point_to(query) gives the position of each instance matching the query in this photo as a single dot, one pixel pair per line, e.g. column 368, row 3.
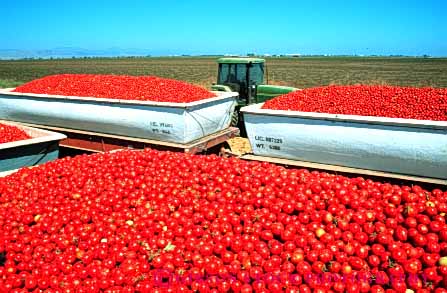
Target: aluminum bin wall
column 43, row 146
column 173, row 122
column 403, row 146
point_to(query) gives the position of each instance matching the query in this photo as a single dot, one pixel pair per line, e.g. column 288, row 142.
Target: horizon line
column 295, row 56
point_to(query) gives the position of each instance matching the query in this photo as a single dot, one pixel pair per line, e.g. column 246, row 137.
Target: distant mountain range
column 69, row 52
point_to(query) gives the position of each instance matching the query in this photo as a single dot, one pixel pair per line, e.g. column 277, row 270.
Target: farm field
column 300, row 72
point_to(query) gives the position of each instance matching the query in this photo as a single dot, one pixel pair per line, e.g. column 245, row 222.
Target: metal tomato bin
column 402, row 146
column 43, row 146
column 162, row 121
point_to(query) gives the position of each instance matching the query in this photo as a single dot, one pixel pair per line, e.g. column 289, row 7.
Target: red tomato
column 367, row 100
column 9, row 133
column 148, row 221
column 125, row 87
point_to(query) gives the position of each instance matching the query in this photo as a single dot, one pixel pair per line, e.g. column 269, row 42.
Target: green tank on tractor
column 246, row 76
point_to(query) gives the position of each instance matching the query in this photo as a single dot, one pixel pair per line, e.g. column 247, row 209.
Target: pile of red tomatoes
column 150, row 221
column 366, row 100
column 123, row 87
column 9, row 133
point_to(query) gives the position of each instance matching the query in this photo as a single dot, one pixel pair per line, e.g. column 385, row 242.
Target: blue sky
column 381, row 27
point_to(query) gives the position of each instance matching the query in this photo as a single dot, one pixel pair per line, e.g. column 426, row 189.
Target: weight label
column 268, row 142
column 161, row 127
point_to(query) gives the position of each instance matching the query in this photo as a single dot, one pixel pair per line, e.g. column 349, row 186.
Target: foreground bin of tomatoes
column 22, row 146
column 382, row 128
column 150, row 221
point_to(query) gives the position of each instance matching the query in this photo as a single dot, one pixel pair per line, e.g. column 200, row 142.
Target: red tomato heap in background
column 365, row 100
column 146, row 221
column 10, row 133
column 124, row 87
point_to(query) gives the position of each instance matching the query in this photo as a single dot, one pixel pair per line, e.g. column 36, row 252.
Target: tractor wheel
column 235, row 119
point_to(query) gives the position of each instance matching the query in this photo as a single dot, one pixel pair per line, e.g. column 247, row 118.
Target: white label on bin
column 161, row 127
column 268, row 142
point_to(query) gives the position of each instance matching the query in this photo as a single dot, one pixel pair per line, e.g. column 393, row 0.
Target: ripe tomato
column 125, row 87
column 10, row 133
column 145, row 220
column 384, row 101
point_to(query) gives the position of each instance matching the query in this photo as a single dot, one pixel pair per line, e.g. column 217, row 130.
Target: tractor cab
column 241, row 75
column 246, row 76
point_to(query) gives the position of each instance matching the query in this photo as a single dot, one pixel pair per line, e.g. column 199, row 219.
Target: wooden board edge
column 343, row 169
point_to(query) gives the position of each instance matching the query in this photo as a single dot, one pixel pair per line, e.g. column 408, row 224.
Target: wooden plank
column 342, row 169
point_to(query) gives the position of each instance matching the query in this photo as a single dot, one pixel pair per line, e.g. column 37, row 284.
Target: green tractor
column 246, row 76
